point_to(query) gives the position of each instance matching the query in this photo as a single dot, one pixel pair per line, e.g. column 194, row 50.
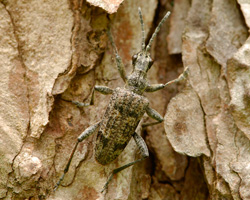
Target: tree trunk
column 54, row 52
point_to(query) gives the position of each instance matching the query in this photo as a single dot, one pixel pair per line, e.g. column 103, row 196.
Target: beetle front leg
column 102, row 89
column 155, row 87
column 144, row 152
column 180, row 78
column 89, row 131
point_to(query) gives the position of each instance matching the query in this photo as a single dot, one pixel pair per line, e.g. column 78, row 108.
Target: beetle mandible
column 125, row 109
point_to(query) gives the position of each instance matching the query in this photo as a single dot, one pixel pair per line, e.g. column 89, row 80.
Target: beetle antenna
column 142, row 30
column 156, row 31
column 112, row 40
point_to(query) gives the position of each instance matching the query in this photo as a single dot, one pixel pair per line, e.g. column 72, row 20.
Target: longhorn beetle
column 125, row 109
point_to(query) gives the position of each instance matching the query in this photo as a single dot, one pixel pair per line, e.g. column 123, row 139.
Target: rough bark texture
column 52, row 52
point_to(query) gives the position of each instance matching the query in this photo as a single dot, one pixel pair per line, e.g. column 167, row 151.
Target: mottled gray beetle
column 125, row 109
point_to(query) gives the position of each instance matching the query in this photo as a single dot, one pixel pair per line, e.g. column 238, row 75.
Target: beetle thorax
column 137, row 81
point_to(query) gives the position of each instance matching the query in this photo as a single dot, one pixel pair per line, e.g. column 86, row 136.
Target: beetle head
column 142, row 60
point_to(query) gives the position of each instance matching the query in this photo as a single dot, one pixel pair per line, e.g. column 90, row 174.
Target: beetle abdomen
column 120, row 120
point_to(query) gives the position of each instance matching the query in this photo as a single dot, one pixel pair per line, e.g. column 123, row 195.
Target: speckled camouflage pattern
column 120, row 120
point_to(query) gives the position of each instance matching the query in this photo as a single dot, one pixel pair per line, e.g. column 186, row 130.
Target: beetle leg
column 144, row 152
column 180, row 78
column 156, row 87
column 102, row 89
column 153, row 114
column 89, row 131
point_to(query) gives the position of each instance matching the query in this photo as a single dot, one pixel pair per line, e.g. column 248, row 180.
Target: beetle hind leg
column 144, row 152
column 89, row 131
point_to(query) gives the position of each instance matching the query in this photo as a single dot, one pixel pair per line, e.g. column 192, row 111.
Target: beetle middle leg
column 144, row 152
column 153, row 114
column 102, row 89
column 89, row 131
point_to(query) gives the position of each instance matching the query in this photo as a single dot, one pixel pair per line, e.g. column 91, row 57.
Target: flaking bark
column 53, row 52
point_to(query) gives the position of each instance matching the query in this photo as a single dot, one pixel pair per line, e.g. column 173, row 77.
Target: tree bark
column 54, row 52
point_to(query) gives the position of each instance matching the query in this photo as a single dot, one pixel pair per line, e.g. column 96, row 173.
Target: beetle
column 125, row 109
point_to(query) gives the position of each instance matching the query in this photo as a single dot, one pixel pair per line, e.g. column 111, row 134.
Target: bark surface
column 53, row 52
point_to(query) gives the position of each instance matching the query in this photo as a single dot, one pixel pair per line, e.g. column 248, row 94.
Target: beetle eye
column 134, row 58
column 150, row 64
